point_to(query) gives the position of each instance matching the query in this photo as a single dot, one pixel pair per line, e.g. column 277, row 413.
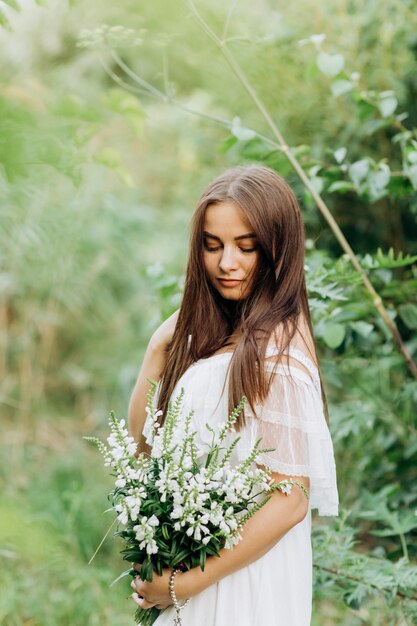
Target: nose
column 228, row 261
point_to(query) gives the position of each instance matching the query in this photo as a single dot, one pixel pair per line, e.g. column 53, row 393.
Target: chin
column 227, row 295
column 234, row 298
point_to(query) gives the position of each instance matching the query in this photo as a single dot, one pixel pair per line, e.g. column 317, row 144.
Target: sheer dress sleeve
column 291, row 420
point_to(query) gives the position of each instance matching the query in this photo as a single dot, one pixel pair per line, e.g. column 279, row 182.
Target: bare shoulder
column 164, row 333
column 302, row 339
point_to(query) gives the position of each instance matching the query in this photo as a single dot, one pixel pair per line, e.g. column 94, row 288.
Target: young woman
column 244, row 328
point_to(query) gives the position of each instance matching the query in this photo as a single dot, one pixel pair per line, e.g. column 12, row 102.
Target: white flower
column 144, row 533
column 152, row 548
column 122, row 517
column 197, row 500
column 286, row 487
column 218, row 475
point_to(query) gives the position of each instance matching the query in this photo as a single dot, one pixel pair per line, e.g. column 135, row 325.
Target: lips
column 228, row 282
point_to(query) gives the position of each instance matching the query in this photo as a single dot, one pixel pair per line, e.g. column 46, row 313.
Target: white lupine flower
column 204, row 529
column 144, row 533
column 177, row 512
column 218, row 475
column 133, row 504
column 197, row 534
column 117, row 453
column 286, row 487
column 198, row 499
column 122, row 517
column 151, row 547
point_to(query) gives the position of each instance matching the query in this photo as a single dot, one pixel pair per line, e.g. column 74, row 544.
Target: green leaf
column 4, row 22
column 387, row 261
column 387, row 104
column 330, row 64
column 165, row 531
column 342, row 186
column 412, row 156
column 108, row 156
column 202, row 559
column 408, row 314
column 127, row 105
column 362, row 328
column 340, row 154
column 339, row 87
column 356, row 598
column 241, row 133
column 378, row 181
column 397, row 521
column 411, row 172
column 13, row 4
column 317, row 184
column 358, row 171
column 228, row 144
column 124, row 175
column 334, row 334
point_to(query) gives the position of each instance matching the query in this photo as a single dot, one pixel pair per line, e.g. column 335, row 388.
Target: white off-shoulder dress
column 276, row 589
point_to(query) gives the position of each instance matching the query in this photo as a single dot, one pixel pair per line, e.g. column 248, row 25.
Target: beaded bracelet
column 177, row 607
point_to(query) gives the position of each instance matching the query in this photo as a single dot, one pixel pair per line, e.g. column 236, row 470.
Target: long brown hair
column 278, row 297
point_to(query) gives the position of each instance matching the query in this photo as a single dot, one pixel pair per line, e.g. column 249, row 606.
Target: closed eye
column 211, row 248
column 216, row 248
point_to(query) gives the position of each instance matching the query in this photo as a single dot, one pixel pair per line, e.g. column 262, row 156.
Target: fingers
column 139, row 586
column 141, row 601
column 137, row 566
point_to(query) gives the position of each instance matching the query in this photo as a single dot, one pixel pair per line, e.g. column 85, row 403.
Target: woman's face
column 231, row 251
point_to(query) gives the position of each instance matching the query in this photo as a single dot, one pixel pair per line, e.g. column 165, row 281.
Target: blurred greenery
column 100, row 168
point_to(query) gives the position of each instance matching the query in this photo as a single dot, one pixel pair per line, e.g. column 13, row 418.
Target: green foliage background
column 97, row 186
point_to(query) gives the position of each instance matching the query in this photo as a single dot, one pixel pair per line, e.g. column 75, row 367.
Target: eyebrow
column 246, row 236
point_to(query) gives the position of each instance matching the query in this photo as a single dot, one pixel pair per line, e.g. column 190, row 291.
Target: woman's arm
column 152, row 368
column 259, row 535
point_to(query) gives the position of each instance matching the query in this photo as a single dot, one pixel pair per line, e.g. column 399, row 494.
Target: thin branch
column 147, row 88
column 203, row 24
column 102, row 541
column 168, row 87
column 228, row 19
column 119, row 80
column 137, row 79
column 335, row 572
column 376, row 298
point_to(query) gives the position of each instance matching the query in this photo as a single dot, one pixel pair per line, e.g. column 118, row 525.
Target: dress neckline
column 272, row 351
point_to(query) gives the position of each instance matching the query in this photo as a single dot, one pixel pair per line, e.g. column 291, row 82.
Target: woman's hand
column 156, row 593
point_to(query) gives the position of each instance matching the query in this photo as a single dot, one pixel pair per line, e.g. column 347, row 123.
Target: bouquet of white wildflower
column 173, row 509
